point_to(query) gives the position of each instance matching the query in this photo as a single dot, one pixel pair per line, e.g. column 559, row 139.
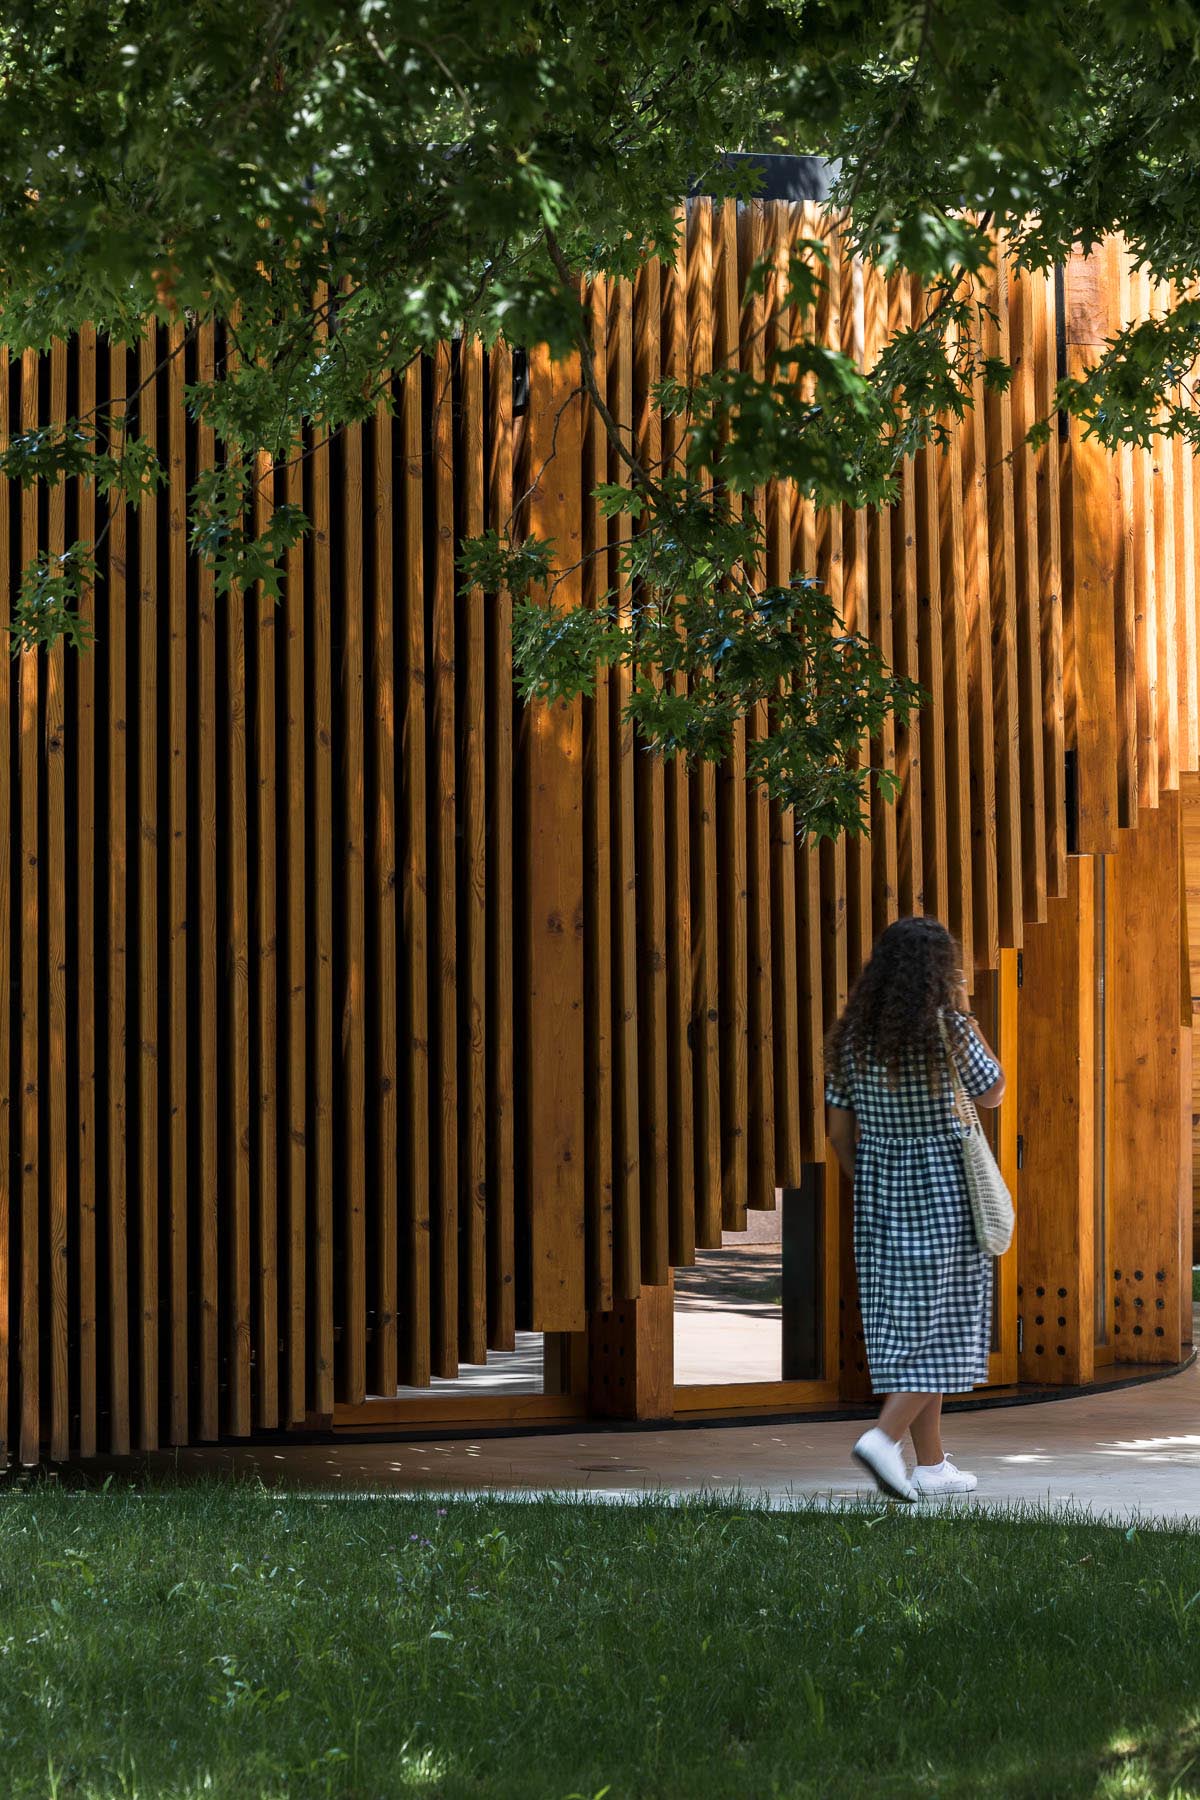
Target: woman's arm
column 993, row 1095
column 843, row 1135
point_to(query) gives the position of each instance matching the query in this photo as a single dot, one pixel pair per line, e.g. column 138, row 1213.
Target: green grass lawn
column 215, row 1641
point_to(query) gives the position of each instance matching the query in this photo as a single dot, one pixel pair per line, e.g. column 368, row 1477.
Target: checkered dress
column 925, row 1286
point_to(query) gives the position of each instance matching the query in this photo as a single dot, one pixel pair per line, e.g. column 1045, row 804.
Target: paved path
column 1135, row 1450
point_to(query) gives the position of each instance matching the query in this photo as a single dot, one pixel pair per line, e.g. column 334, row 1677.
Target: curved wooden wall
column 357, row 1017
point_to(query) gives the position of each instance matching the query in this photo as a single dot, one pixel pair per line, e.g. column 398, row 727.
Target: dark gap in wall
column 72, row 748
column 373, row 999
column 226, row 1123
column 192, row 990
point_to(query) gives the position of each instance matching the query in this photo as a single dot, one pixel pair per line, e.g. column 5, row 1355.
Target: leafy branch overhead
column 339, row 188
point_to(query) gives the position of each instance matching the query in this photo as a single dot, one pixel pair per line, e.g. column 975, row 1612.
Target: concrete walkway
column 1131, row 1451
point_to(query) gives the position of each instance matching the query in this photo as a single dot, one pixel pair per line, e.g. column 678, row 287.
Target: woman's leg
column 926, row 1431
column 899, row 1411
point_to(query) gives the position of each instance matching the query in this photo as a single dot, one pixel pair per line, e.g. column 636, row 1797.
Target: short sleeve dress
column 925, row 1286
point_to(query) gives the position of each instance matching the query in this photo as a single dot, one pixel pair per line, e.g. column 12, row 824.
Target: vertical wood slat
column 759, row 1123
column 985, row 912
column 353, row 1171
column 952, row 580
column 1088, row 551
column 1145, row 599
column 1185, row 572
column 718, row 1007
column 733, row 1006
column 10, row 1329
column 321, row 1024
column 784, row 1167
column 239, row 1173
column 1049, row 511
column 1125, row 581
column 116, row 959
column 178, row 1418
column 473, row 962
column 683, row 1197
column 205, row 933
column 931, row 673
column 879, row 625
column 85, row 938
column 500, row 988
column 1165, row 593
column 1028, row 599
column 598, row 874
column 147, row 924
column 649, row 798
column 553, row 1125
column 385, row 1073
column 1002, row 615
column 444, row 1009
column 265, row 977
column 806, row 854
column 860, row 907
column 627, row 1172
column 908, row 747
column 831, row 571
column 30, row 972
column 417, row 1360
column 55, row 856
column 294, row 1175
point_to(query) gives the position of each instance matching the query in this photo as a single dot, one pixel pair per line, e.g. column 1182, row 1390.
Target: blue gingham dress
column 925, row 1286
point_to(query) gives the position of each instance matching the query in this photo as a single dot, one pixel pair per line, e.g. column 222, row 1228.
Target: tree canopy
column 344, row 185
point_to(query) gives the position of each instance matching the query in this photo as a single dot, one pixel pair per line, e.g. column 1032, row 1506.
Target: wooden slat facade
column 382, row 1017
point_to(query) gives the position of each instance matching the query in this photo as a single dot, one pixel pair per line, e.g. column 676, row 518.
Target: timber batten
column 384, row 1017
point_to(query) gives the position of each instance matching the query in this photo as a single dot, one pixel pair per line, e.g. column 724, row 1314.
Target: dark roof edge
column 782, row 177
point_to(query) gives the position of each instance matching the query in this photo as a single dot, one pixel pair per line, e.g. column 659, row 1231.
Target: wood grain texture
column 651, row 849
column 443, row 912
column 353, row 946
column 553, row 769
column 425, row 1027
column 598, row 888
column 382, row 880
column 627, row 1170
column 417, row 1364
column 1031, row 736
column 706, row 1036
column 473, row 913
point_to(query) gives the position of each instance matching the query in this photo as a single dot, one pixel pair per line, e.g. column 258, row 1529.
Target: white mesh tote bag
column 991, row 1202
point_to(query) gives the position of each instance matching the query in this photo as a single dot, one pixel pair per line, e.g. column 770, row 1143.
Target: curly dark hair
column 914, row 973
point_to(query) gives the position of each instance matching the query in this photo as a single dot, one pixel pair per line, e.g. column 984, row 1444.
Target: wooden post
column 1088, row 604
column 1149, row 1091
column 552, row 765
column 1055, row 1260
column 631, row 1357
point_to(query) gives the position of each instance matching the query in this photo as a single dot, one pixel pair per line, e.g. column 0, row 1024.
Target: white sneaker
column 883, row 1460
column 944, row 1478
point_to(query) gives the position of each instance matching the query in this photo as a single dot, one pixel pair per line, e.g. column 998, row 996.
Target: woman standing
column 924, row 1282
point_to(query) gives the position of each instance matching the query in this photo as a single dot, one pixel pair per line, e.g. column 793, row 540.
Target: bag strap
column 963, row 1103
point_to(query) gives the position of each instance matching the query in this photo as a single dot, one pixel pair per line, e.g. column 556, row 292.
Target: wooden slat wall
column 383, row 1017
